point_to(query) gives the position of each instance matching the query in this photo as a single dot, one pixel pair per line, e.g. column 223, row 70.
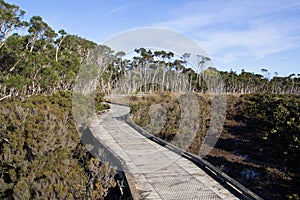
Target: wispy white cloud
column 230, row 29
column 119, row 8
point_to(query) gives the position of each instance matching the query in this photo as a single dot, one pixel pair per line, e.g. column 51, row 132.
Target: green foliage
column 41, row 154
column 40, row 62
column 140, row 107
column 278, row 117
column 101, row 107
column 99, row 101
column 10, row 17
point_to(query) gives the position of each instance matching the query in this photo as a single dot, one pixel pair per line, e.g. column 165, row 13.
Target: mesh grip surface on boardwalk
column 156, row 172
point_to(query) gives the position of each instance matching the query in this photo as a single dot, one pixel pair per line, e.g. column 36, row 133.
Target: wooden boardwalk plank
column 157, row 172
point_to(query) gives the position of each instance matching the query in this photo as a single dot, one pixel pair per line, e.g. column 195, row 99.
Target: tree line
column 43, row 61
column 163, row 71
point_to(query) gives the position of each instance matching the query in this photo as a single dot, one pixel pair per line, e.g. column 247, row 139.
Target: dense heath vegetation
column 41, row 153
column 40, row 149
column 261, row 134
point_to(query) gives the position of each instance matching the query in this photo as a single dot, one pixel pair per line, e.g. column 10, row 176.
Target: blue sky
column 236, row 34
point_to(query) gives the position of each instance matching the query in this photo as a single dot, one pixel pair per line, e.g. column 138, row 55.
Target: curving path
column 155, row 172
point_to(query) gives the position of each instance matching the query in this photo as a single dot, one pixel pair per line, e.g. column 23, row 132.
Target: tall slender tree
column 10, row 19
column 59, row 41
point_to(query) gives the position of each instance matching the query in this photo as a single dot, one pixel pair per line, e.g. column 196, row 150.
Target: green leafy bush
column 41, row 154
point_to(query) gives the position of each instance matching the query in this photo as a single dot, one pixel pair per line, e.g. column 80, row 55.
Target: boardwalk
column 156, row 172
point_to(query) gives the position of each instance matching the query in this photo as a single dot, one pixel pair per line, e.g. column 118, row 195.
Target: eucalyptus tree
column 169, row 67
column 202, row 60
column 73, row 44
column 144, row 59
column 191, row 76
column 161, row 63
column 185, row 57
column 59, row 41
column 10, row 20
column 37, row 29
